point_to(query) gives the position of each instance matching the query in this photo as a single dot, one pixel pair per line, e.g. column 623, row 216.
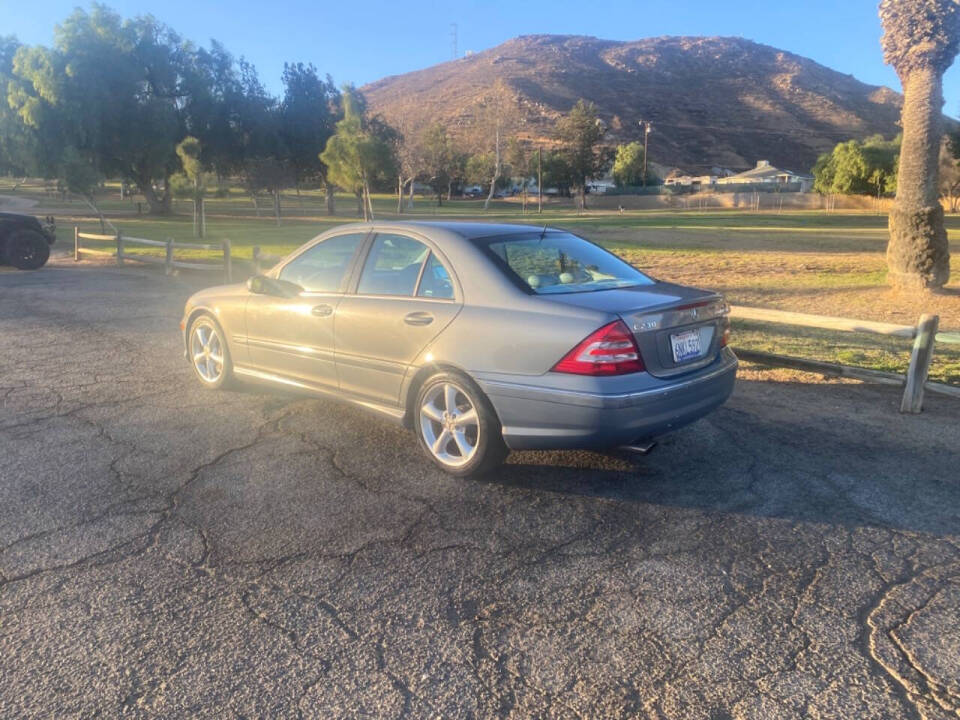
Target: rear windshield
column 558, row 262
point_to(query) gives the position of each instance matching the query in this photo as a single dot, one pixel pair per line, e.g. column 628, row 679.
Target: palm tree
column 920, row 41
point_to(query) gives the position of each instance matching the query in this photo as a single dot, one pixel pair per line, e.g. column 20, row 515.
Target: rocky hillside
column 713, row 101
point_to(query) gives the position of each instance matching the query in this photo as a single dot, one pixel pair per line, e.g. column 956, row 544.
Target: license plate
column 686, row 345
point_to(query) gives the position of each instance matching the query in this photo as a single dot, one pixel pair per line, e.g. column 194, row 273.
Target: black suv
column 25, row 241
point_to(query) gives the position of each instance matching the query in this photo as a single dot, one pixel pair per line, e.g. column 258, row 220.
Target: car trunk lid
column 678, row 329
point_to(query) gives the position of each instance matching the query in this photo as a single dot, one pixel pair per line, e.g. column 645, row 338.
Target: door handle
column 322, row 310
column 418, row 318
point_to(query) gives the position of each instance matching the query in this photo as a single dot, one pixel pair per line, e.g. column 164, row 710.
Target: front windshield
column 558, row 262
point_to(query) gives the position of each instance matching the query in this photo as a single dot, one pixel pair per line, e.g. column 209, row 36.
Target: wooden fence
column 924, row 335
column 121, row 252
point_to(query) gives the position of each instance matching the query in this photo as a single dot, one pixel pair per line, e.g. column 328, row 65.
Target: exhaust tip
column 640, row 448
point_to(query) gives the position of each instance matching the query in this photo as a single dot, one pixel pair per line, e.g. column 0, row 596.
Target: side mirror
column 263, row 285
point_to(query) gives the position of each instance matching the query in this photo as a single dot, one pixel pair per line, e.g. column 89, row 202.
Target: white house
column 764, row 173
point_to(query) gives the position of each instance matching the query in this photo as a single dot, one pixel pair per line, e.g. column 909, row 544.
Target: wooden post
column 919, row 363
column 119, row 248
column 76, row 243
column 168, row 262
column 227, row 264
column 256, row 259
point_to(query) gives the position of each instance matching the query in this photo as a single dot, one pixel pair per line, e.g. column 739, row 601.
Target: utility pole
column 647, row 127
column 453, row 41
column 539, row 180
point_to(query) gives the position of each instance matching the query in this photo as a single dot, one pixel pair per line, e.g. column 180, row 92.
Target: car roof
column 467, row 230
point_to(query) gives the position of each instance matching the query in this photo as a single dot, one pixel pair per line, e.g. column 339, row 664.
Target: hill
column 713, row 101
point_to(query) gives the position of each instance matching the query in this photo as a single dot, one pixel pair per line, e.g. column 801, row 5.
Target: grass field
column 807, row 261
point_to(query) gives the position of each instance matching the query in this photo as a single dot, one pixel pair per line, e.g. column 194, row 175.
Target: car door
column 293, row 337
column 405, row 296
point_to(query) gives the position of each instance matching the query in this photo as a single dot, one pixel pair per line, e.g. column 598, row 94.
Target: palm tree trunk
column 918, row 255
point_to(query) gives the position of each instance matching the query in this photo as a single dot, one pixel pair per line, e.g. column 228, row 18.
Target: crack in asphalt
column 525, row 584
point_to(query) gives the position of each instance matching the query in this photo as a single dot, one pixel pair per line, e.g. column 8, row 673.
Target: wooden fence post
column 76, row 243
column 920, row 359
column 227, row 263
column 168, row 262
column 256, row 259
column 119, row 248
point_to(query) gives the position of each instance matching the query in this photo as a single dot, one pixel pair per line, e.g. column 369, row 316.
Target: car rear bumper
column 534, row 417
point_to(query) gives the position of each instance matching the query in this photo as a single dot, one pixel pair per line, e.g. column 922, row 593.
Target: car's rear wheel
column 457, row 427
column 26, row 250
column 208, row 353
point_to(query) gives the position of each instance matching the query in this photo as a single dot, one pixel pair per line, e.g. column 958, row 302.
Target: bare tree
column 920, row 41
column 497, row 118
column 410, row 160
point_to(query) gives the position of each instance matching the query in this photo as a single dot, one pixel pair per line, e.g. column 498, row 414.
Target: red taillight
column 611, row 350
column 725, row 331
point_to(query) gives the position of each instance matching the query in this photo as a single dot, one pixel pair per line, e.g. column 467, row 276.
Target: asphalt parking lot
column 171, row 552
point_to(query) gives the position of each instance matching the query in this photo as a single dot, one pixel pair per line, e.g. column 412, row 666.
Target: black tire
column 490, row 449
column 225, row 379
column 26, row 250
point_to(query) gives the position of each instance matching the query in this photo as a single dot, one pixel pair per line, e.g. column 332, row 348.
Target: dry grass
column 813, row 270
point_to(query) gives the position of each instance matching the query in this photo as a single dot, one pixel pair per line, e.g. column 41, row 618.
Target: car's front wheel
column 457, row 427
column 26, row 250
column 208, row 353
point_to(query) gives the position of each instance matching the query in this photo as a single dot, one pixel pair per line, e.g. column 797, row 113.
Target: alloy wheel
column 206, row 348
column 450, row 424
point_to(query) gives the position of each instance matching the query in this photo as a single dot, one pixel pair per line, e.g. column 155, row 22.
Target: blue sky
column 364, row 40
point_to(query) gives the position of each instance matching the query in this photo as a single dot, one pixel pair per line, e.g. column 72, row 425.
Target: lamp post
column 647, row 127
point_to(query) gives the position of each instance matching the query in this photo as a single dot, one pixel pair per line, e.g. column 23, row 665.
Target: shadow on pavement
column 836, row 454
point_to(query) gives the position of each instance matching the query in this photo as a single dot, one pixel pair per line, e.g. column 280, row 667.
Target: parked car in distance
column 480, row 338
column 25, row 241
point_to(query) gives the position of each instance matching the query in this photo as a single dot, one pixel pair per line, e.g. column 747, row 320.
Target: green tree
column 438, row 159
column 189, row 152
column 308, row 116
column 920, row 40
column 81, row 177
column 262, row 154
column 557, row 173
column 361, row 151
column 110, row 89
column 480, row 166
column 867, row 167
column 213, row 98
column 628, row 165
column 581, row 132
column 520, row 159
column 823, row 174
column 17, row 142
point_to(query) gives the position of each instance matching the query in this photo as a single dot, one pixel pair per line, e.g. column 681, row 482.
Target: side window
column 393, row 266
column 435, row 281
column 323, row 267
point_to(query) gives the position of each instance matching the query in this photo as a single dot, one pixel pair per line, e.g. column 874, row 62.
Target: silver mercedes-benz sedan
column 480, row 338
